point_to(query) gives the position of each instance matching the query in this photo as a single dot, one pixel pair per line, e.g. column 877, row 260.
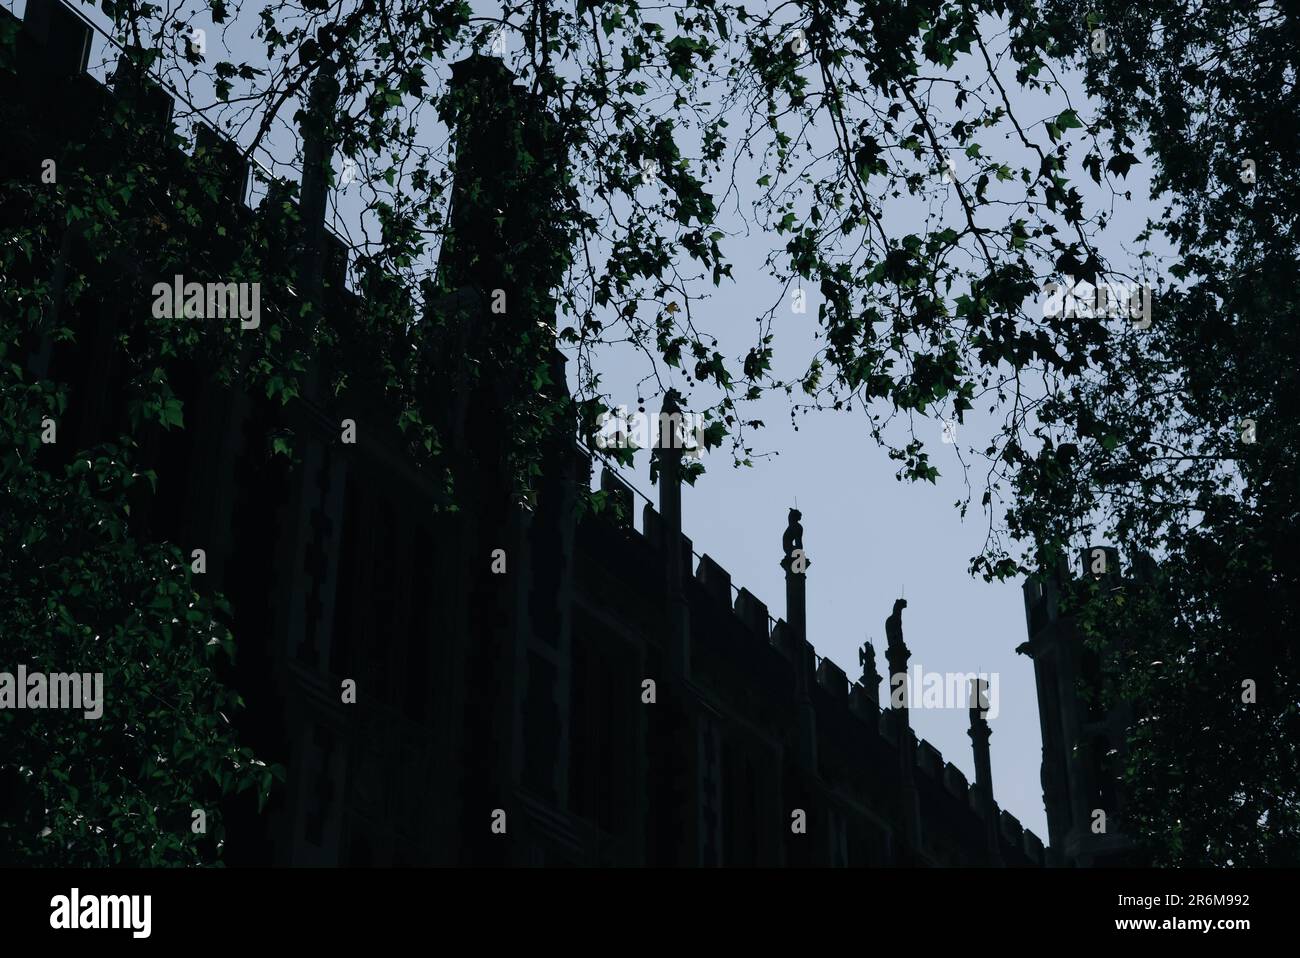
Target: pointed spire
column 668, row 461
column 979, row 735
column 667, row 451
column 795, row 563
column 896, row 652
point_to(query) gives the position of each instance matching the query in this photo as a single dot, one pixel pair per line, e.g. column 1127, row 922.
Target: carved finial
column 979, row 701
column 793, row 538
column 666, row 445
column 867, row 659
column 894, row 624
column 795, row 559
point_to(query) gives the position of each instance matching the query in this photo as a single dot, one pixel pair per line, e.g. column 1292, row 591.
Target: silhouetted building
column 533, row 684
column 1084, row 741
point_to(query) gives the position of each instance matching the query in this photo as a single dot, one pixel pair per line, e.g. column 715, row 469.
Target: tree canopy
column 921, row 172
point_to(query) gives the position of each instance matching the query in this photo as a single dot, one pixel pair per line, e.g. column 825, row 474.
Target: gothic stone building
column 1083, row 742
column 519, row 698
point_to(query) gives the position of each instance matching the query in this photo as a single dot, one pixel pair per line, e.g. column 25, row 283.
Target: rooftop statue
column 867, row 659
column 792, row 544
column 894, row 624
